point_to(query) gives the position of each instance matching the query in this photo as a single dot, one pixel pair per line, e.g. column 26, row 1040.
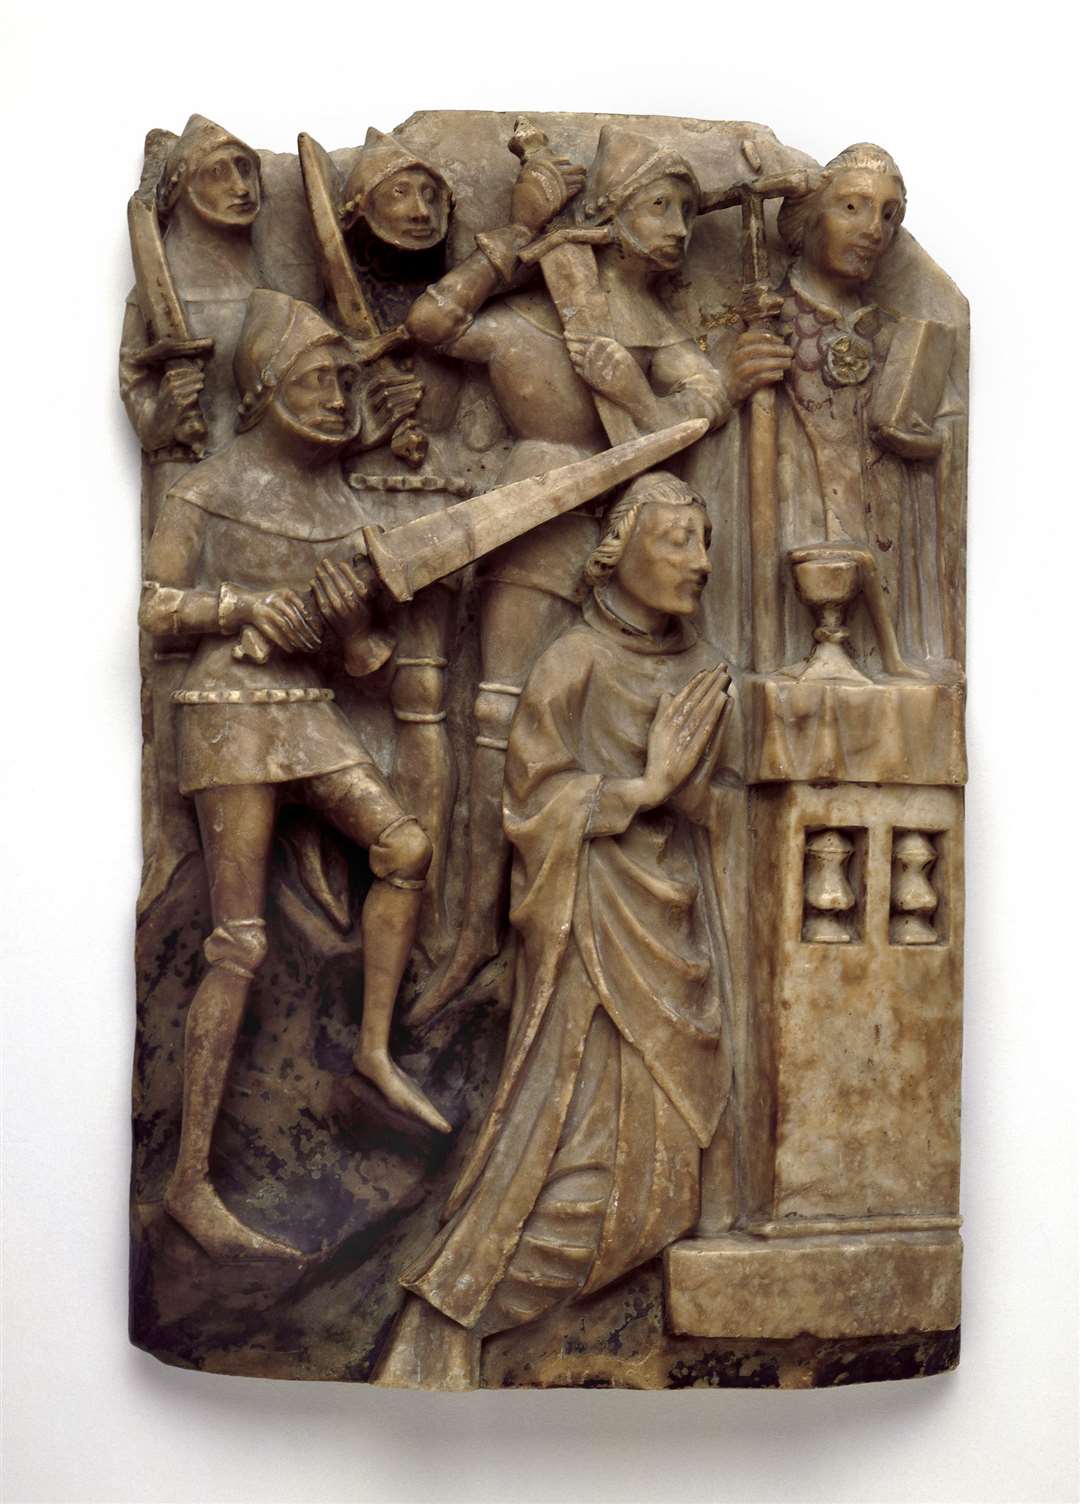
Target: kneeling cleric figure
column 617, row 1068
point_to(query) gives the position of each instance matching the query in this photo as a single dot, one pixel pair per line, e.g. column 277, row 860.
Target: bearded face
column 656, row 220
column 318, row 397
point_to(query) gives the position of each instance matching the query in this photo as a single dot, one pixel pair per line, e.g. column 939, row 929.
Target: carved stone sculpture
column 549, row 949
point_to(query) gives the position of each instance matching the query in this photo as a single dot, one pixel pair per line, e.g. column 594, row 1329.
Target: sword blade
column 416, row 554
column 335, row 264
column 154, row 288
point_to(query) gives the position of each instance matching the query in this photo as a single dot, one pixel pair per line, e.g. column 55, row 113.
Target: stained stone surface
column 675, row 978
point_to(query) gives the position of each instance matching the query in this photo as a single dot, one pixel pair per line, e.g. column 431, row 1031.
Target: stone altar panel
column 549, row 958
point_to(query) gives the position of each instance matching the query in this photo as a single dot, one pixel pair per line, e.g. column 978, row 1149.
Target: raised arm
column 440, row 316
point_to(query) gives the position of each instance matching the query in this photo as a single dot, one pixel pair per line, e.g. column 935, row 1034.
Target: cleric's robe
column 617, row 1066
column 839, row 484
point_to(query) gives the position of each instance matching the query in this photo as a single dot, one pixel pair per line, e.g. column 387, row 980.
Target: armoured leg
column 399, row 855
column 517, row 624
column 237, row 824
column 424, row 775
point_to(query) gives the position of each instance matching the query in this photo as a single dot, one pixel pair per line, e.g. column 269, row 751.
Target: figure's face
column 665, row 564
column 224, row 188
column 409, row 209
column 856, row 220
column 320, row 394
column 657, row 220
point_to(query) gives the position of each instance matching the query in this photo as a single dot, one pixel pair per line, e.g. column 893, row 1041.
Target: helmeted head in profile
column 650, row 193
column 848, row 220
column 403, row 199
column 215, row 173
column 294, row 366
column 655, row 545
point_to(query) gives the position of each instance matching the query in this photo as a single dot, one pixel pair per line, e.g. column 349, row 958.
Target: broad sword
column 404, row 560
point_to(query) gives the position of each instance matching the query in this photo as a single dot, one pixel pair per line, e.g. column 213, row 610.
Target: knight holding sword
column 593, row 358
column 190, row 224
column 261, row 553
column 381, row 238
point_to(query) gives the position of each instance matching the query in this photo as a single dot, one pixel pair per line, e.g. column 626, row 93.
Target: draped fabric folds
column 617, row 1066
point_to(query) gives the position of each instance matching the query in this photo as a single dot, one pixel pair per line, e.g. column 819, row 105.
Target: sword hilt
column 410, row 443
column 162, row 351
column 255, row 646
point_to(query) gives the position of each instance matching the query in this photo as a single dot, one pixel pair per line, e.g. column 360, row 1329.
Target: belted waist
column 250, row 696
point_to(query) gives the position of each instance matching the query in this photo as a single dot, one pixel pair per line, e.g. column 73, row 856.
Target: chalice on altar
column 828, row 579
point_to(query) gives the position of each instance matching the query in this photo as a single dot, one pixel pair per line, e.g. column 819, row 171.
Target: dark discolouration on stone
column 305, row 1149
column 617, row 1340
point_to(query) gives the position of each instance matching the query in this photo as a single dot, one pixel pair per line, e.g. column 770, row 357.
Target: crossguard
column 163, row 350
column 750, row 198
column 567, row 235
column 795, row 184
column 375, row 348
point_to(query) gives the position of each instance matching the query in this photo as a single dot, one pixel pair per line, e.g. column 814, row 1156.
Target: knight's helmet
column 277, row 330
column 625, row 162
column 191, row 148
column 380, row 158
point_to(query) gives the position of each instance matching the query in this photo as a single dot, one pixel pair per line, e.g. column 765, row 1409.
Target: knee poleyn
column 238, row 946
column 403, row 855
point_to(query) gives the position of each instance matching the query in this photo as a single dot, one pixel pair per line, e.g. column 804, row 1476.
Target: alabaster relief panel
column 549, row 940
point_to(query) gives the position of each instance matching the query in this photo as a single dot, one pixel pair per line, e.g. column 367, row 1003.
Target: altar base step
column 835, row 1286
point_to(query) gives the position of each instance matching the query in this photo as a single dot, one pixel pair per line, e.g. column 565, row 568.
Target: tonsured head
column 848, row 221
column 405, row 200
column 648, row 192
column 215, row 172
column 294, row 366
column 655, row 545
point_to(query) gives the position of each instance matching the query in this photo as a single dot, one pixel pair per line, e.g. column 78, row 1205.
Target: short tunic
column 243, row 722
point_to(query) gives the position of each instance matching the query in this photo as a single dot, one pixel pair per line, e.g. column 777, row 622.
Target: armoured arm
column 683, row 382
column 443, row 313
column 172, row 606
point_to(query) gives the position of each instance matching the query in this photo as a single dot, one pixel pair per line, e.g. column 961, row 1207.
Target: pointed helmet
column 191, row 148
column 625, row 162
column 381, row 156
column 277, row 330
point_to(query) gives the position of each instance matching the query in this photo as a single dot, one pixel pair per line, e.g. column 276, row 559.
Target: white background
column 964, row 98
